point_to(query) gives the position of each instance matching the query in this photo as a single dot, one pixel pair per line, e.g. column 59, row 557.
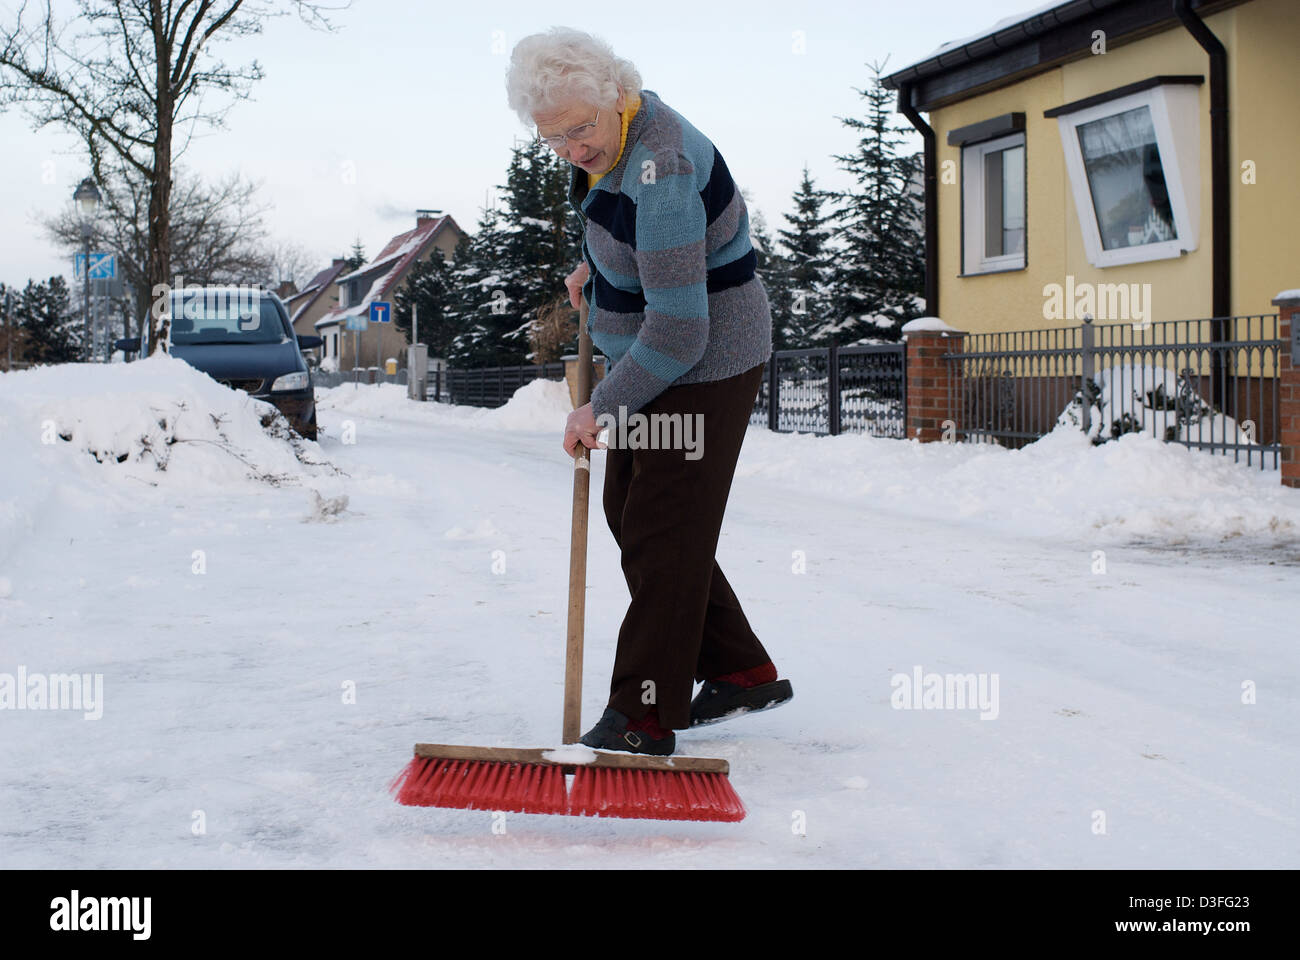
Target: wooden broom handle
column 578, row 548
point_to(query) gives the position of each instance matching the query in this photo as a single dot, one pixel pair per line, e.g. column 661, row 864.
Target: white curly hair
column 562, row 64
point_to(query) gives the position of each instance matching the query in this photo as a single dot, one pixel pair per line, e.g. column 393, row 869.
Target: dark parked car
column 243, row 338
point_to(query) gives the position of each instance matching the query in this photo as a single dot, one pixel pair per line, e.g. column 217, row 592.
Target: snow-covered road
column 435, row 601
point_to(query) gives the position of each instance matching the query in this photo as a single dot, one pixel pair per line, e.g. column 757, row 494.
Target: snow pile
column 571, row 753
column 927, row 325
column 1132, row 488
column 377, row 400
column 326, row 509
column 78, row 430
column 1135, row 398
column 539, row 406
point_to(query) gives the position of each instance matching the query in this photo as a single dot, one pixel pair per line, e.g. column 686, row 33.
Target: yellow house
column 1100, row 152
column 1110, row 200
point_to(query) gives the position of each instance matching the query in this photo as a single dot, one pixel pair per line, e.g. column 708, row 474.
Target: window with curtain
column 993, row 205
column 1126, row 179
column 1004, row 202
column 1133, row 159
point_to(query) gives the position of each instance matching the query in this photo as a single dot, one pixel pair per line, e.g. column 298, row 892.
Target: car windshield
column 224, row 316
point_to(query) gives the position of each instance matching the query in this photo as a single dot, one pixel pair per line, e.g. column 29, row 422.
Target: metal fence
column 477, row 387
column 335, row 378
column 831, row 390
column 1209, row 384
column 489, row 386
column 827, row 390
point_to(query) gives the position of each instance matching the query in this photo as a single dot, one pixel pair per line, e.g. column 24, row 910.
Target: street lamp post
column 87, row 197
column 9, row 329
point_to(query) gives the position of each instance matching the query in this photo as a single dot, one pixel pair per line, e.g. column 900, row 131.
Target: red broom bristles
column 481, row 785
column 653, row 795
column 540, row 788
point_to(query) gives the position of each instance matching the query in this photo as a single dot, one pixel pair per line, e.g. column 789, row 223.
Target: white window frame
column 1175, row 115
column 973, row 223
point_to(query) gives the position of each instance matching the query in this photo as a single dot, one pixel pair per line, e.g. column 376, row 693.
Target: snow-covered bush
column 1137, row 398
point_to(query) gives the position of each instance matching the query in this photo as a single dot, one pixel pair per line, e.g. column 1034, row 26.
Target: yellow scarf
column 629, row 110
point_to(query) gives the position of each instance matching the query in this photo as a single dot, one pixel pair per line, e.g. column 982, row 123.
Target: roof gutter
column 1010, row 36
column 1220, row 225
column 931, row 184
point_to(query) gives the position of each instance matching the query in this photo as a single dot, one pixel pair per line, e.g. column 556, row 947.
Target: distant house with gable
column 318, row 297
column 378, row 281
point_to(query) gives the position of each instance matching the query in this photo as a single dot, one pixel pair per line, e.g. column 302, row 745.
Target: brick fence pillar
column 929, row 376
column 1288, row 388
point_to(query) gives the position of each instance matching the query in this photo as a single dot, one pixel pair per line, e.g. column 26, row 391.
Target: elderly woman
column 684, row 324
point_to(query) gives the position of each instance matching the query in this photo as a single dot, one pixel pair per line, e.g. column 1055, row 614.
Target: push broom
column 533, row 780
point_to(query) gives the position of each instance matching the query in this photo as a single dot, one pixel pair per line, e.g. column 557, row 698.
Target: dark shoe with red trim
column 720, row 700
column 611, row 733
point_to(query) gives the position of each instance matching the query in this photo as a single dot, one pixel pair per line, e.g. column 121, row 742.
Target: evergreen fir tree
column 427, row 287
column 482, row 311
column 9, row 323
column 811, row 268
column 356, row 259
column 545, row 238
column 51, row 331
column 516, row 263
column 456, row 310
column 773, row 271
column 881, row 276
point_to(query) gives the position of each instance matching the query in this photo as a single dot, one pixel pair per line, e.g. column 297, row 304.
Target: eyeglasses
column 580, row 132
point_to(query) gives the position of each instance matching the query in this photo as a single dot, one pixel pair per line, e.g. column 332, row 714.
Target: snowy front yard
column 269, row 652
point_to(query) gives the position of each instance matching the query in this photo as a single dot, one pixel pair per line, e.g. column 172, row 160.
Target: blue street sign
column 381, row 312
column 103, row 266
column 355, row 323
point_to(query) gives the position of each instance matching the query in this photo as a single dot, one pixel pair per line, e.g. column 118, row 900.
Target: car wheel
column 310, row 425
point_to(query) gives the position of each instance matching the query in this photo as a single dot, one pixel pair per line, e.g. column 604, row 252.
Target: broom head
column 533, row 781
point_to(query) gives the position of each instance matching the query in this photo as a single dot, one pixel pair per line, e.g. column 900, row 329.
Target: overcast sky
column 403, row 106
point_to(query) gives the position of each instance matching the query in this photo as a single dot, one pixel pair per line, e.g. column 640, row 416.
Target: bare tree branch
column 217, row 232
column 120, row 75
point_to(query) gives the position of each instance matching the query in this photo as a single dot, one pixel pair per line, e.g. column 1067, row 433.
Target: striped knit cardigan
column 672, row 292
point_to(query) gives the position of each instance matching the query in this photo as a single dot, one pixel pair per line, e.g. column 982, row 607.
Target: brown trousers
column 684, row 622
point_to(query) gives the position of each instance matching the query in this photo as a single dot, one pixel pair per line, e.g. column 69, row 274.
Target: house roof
column 1030, row 42
column 398, row 255
column 317, row 285
column 1010, row 28
column 326, row 276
